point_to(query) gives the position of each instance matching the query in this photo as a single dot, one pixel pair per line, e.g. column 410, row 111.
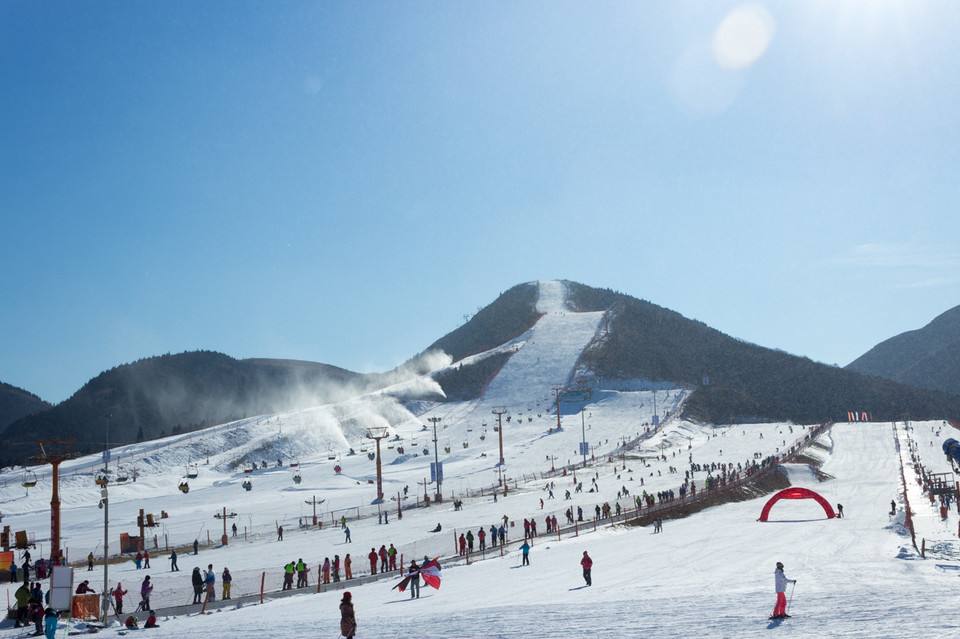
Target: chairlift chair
column 297, row 478
column 29, row 479
column 184, row 487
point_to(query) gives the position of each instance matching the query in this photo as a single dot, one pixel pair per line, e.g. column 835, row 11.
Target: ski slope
column 710, row 572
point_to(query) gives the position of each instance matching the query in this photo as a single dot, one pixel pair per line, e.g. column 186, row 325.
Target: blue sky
column 342, row 182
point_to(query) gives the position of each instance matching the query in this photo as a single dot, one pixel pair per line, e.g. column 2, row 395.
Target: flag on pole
column 429, row 572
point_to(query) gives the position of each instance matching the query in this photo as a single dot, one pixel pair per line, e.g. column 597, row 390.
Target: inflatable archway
column 795, row 492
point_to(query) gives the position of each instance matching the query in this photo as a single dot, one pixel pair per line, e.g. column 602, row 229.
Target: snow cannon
column 951, row 448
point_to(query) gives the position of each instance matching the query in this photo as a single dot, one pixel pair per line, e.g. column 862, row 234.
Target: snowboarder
column 525, row 549
column 437, row 529
column 587, row 564
column 348, row 620
column 780, row 582
column 151, row 621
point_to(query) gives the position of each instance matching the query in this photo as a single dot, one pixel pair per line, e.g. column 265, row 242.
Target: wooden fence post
column 263, row 577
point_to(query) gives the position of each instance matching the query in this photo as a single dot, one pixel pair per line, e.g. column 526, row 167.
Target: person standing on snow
column 347, row 567
column 839, row 511
column 525, row 549
column 197, row 579
column 414, row 574
column 226, row 579
column 348, row 620
column 118, row 594
column 384, row 562
column 346, row 535
column 373, row 561
column 780, row 582
column 173, row 561
column 587, row 564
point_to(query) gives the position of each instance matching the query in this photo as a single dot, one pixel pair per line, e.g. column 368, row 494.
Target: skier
column 145, row 589
column 90, row 561
column 469, row 541
column 525, row 549
column 118, row 594
column 326, row 571
column 234, row 529
column 279, row 533
column 22, row 596
column 392, row 556
column 587, row 564
column 463, row 545
column 482, row 537
column 780, row 582
column 50, row 623
column 383, row 558
column 138, row 560
column 226, row 578
column 197, row 579
column 893, row 508
column 335, row 568
column 346, row 535
column 839, row 511
column 348, row 621
column 301, row 570
column 173, row 561
column 414, row 574
column 493, row 536
column 373, row 561
column 288, row 570
column 348, row 567
column 146, row 558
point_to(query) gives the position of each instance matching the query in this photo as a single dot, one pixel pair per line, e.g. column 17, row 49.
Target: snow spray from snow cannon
column 951, row 448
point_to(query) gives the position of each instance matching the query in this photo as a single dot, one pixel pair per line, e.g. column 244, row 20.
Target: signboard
column 656, row 421
column 584, row 448
column 434, row 468
column 61, row 587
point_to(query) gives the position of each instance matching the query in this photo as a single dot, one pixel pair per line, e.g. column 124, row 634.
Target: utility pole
column 224, row 515
column 436, row 458
column 105, row 502
column 377, row 433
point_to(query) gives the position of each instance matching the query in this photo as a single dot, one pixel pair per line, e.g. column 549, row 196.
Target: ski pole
column 792, row 588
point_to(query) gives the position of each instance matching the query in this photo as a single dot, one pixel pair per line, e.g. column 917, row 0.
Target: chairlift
column 297, row 479
column 331, row 455
column 29, row 479
column 101, row 479
column 446, row 448
column 426, row 452
column 247, row 485
column 400, row 449
column 184, row 487
column 192, row 471
column 466, row 444
column 372, row 456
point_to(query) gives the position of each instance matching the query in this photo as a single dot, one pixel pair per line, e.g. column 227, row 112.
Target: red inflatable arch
column 795, row 492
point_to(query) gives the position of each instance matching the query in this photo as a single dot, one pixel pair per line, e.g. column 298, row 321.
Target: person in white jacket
column 780, row 583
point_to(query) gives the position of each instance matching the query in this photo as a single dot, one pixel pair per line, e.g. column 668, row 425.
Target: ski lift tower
column 437, row 469
column 376, row 433
column 48, row 456
column 500, row 411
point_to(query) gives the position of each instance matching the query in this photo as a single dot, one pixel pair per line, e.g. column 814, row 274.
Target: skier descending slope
column 780, row 583
column 587, row 564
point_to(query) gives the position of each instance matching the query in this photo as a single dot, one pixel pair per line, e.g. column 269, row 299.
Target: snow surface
column 710, row 572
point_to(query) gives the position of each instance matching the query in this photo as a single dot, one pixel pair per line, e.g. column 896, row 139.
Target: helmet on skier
column 779, row 566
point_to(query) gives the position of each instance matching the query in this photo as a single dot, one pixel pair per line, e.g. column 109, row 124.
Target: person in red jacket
column 373, row 561
column 586, row 563
column 384, row 559
column 463, row 545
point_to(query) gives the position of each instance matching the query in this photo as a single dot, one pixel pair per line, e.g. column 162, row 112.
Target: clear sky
column 342, row 182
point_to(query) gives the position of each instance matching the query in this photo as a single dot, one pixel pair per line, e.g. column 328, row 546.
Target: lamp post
column 105, row 502
column 500, row 411
column 583, row 438
column 377, row 433
column 436, row 458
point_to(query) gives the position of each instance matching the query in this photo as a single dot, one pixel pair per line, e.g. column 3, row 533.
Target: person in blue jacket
column 50, row 623
column 525, row 549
